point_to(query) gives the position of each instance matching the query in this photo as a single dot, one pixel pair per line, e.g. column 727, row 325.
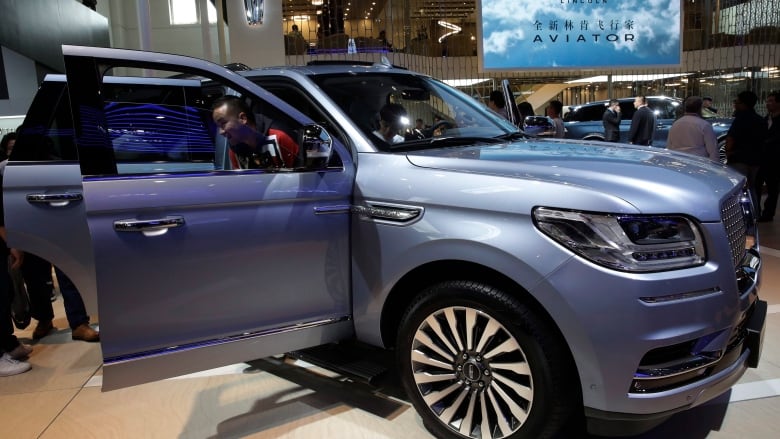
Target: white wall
column 22, row 84
column 181, row 39
column 256, row 46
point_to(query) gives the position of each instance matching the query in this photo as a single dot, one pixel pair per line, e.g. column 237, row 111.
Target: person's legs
column 772, row 179
column 37, row 277
column 9, row 344
column 751, row 172
column 75, row 311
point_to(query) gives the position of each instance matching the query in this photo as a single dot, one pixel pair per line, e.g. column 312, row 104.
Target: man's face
column 232, row 124
column 772, row 105
column 637, row 102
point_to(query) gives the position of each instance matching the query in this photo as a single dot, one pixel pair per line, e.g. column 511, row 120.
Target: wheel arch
column 415, row 281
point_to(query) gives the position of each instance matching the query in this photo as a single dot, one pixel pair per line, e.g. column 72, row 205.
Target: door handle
column 55, row 200
column 152, row 227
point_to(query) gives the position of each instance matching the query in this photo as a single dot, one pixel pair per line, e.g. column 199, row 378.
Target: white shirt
column 396, row 138
column 693, row 135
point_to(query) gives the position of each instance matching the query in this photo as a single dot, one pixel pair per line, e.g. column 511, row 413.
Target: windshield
column 410, row 111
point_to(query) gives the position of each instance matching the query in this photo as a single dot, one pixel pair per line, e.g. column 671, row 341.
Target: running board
column 357, row 361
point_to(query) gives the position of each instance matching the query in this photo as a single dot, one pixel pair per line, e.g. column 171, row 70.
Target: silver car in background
column 526, row 285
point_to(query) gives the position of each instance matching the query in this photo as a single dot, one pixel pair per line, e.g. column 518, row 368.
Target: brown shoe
column 42, row 329
column 84, row 332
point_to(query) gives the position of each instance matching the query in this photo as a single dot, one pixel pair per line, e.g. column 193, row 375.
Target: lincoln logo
column 471, row 371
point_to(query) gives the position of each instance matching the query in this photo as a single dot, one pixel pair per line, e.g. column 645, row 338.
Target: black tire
column 524, row 389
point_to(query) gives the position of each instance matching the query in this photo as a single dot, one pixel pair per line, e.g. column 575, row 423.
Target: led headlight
column 636, row 243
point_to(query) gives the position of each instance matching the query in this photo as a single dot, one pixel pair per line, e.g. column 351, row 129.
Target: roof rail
column 352, row 63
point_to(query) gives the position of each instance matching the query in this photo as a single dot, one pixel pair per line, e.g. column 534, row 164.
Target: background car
column 584, row 121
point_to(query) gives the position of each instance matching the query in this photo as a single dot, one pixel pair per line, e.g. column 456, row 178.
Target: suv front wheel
column 477, row 363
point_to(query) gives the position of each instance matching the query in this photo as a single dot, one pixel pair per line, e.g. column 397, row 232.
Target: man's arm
column 711, row 143
column 288, row 147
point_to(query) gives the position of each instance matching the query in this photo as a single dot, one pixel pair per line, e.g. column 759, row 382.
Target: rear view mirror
column 317, row 146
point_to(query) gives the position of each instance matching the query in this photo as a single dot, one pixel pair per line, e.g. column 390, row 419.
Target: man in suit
column 611, row 121
column 642, row 124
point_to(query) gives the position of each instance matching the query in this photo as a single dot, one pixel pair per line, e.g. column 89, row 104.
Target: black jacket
column 611, row 120
column 642, row 126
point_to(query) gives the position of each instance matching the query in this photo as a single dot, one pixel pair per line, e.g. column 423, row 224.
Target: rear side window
column 587, row 113
column 663, row 108
column 155, row 127
column 47, row 131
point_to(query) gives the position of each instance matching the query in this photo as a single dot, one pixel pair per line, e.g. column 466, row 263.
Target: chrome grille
column 733, row 216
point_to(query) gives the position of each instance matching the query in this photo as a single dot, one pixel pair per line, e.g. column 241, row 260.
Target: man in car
column 642, row 124
column 254, row 143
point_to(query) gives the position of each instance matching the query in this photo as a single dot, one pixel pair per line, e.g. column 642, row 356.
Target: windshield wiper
column 446, row 141
column 515, row 135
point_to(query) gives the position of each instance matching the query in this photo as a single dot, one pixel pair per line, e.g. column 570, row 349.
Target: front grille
column 733, row 216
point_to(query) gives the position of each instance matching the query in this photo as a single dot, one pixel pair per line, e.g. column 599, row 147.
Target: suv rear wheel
column 477, row 363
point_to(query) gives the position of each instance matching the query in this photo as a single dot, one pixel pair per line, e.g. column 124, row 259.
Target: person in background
column 745, row 141
column 37, row 277
column 769, row 170
column 642, row 124
column 554, row 111
column 383, row 40
column 692, row 134
column 295, row 32
column 12, row 352
column 611, row 121
column 708, row 110
column 497, row 103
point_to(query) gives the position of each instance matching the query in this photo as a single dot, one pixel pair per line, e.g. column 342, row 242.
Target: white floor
column 61, row 397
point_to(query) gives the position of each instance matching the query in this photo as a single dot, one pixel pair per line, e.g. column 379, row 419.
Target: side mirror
column 541, row 126
column 316, row 147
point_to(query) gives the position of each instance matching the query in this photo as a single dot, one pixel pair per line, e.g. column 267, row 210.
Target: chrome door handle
column 152, row 227
column 55, row 200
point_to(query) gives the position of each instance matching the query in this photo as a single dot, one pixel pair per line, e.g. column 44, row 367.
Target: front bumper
column 700, row 377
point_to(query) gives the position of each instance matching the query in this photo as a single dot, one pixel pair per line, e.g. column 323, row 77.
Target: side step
column 357, row 361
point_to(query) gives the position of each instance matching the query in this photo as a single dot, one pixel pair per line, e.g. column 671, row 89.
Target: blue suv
column 522, row 284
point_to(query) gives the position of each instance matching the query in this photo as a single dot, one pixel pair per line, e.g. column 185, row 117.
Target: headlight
column 636, row 243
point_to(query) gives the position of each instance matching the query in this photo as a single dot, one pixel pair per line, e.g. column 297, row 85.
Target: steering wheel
column 441, row 126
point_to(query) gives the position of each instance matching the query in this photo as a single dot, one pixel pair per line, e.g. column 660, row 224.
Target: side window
column 290, row 93
column 168, row 121
column 587, row 113
column 163, row 127
column 627, row 110
column 663, row 108
column 593, row 112
column 47, row 131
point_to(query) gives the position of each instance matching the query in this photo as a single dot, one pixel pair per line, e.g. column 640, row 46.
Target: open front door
column 197, row 266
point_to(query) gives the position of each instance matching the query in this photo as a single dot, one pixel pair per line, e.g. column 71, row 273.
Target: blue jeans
column 74, row 306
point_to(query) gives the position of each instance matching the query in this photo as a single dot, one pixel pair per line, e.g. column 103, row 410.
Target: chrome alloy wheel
column 472, row 373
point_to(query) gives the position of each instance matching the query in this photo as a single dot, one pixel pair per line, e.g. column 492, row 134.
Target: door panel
column 249, row 255
column 198, row 266
column 41, row 220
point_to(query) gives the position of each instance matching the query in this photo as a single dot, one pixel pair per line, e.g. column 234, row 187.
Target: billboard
column 575, row 34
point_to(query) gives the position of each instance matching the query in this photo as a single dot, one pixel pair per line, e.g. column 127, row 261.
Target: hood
column 652, row 180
